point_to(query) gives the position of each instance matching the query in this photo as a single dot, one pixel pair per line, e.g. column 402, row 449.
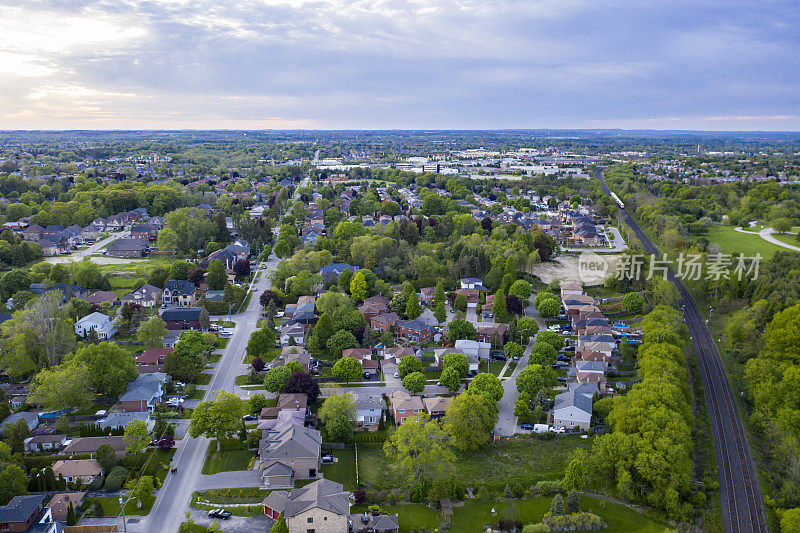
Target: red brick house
column 413, row 331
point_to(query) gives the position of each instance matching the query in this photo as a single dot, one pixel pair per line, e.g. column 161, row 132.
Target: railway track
column 740, row 492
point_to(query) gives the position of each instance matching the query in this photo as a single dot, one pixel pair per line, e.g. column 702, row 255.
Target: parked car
column 562, row 379
column 527, row 427
column 569, row 348
column 397, row 375
column 219, row 513
column 499, row 356
column 226, row 334
column 249, row 418
column 562, row 317
column 327, row 457
column 554, row 328
column 559, row 429
column 279, row 314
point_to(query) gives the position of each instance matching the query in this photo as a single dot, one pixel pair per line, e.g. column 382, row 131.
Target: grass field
column 111, row 506
column 787, row 238
column 730, row 240
column 475, row 514
column 526, row 460
column 344, row 469
column 232, row 456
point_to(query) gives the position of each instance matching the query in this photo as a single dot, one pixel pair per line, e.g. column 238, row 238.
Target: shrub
column 360, row 495
column 115, row 479
column 536, row 528
column 547, row 488
column 575, row 522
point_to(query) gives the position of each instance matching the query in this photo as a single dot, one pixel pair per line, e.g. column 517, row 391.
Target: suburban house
column 97, row 322
column 472, row 283
column 473, row 296
column 83, row 445
column 81, row 471
column 99, row 297
column 180, row 318
column 414, row 331
column 358, row 354
column 116, row 420
column 426, row 295
column 320, row 507
column 127, row 248
column 24, row 513
column 144, row 393
column 369, row 408
column 147, row 296
column 293, row 331
column 405, row 406
column 143, row 230
column 32, row 419
column 59, row 504
column 373, row 306
column 486, row 333
column 474, row 348
column 152, row 360
column 334, row 270
column 290, row 453
column 572, row 410
column 180, row 293
column 384, row 322
column 436, row 406
column 44, row 443
column 295, row 401
column 293, row 353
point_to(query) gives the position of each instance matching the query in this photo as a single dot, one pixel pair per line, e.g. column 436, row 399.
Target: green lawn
column 492, row 366
column 111, row 506
column 269, row 356
column 413, row 516
column 344, row 469
column 731, row 240
column 203, row 379
column 232, row 456
column 525, row 459
column 787, row 238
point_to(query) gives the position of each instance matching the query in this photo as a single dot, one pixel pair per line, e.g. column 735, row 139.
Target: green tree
column 13, row 482
column 71, row 520
column 469, row 421
column 358, row 286
column 460, row 329
column 216, row 276
column 557, row 506
column 450, row 379
column 573, row 476
column 633, row 302
column 542, row 296
column 487, row 385
column 521, row 289
column 419, row 449
column 324, row 329
column 522, row 407
column 276, row 378
column 167, row 240
column 180, row 270
column 219, row 418
column 142, row 490
column 460, row 302
column 15, row 435
column 413, row 308
column 409, row 364
column 534, row 378
column 414, row 382
column 204, row 319
column 456, row 361
column 548, row 308
column 514, row 350
column 338, row 413
column 499, row 307
column 106, row 456
column 341, row 340
column 261, row 341
column 279, row 526
column 62, row 387
column 573, row 502
column 552, row 338
column 440, row 313
column 348, row 369
column 111, row 367
column 543, row 353
column 790, row 521
column 136, row 436
column 438, row 294
column 526, row 328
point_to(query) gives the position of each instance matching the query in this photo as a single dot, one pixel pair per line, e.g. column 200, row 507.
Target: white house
column 474, row 348
column 98, row 322
column 572, row 410
column 296, row 331
column 472, row 283
column 368, row 408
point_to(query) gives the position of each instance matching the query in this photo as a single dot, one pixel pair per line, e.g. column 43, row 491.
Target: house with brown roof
column 42, row 443
column 59, row 504
column 98, row 297
column 404, row 406
column 473, row 296
column 82, row 445
column 357, row 353
column 82, row 471
column 297, row 401
column 485, row 333
column 436, row 406
column 384, row 322
column 426, row 295
column 320, row 507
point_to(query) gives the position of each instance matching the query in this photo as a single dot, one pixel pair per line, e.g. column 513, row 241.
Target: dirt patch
column 99, row 260
column 563, row 268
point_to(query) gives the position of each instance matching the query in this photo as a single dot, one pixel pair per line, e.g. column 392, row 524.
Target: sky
column 400, row 64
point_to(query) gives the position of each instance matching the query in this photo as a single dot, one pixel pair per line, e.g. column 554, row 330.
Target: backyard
column 232, row 456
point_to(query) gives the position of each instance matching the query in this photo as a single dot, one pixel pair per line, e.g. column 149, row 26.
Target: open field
column 232, row 456
column 730, row 240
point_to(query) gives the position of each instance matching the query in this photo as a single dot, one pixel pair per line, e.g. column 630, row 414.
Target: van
column 541, row 428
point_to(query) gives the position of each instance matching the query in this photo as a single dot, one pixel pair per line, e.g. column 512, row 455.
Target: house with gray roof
column 32, row 419
column 147, row 296
column 573, row 410
column 144, row 393
column 27, row 513
column 322, row 506
column 289, row 453
column 97, row 322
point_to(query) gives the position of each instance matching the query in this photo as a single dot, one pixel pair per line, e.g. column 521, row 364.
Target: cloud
column 398, row 64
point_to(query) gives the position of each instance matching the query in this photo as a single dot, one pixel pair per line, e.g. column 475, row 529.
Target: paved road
column 740, row 492
column 766, row 234
column 78, row 255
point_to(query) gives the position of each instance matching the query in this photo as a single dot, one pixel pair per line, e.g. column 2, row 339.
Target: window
column 310, row 519
column 309, row 531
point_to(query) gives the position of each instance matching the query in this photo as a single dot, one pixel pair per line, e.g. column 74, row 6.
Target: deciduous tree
column 219, row 418
column 111, row 367
column 136, row 436
column 348, row 369
column 338, row 413
column 469, row 421
column 414, row 382
column 419, row 449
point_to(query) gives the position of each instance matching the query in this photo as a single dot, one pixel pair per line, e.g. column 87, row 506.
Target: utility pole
column 124, row 522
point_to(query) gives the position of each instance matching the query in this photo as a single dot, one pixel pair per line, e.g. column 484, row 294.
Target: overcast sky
column 471, row 64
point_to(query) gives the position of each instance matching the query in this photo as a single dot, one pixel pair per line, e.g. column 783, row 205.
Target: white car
column 555, row 328
column 226, row 334
column 559, row 429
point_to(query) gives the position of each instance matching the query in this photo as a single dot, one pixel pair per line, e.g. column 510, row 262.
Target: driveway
column 226, row 480
column 234, row 524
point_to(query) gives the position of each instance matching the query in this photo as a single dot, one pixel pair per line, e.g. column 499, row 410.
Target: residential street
column 174, row 496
